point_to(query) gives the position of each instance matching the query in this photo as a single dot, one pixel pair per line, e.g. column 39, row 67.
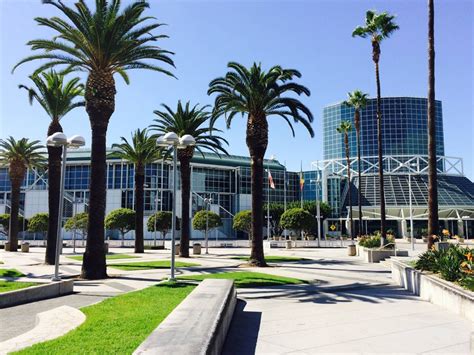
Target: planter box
column 36, row 293
column 435, row 290
column 377, row 255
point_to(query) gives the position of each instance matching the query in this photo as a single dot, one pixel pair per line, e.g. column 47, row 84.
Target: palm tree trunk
column 359, row 192
column 383, row 233
column 257, row 141
column 100, row 104
column 433, row 218
column 54, row 181
column 346, row 141
column 139, row 207
column 14, row 209
column 185, row 195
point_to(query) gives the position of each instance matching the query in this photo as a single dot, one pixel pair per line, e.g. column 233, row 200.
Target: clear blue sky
column 312, row 36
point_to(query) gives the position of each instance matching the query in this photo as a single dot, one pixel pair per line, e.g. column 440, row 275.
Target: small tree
column 206, row 219
column 311, row 207
column 276, row 210
column 5, row 223
column 162, row 221
column 38, row 223
column 79, row 221
column 122, row 219
column 243, row 222
column 297, row 219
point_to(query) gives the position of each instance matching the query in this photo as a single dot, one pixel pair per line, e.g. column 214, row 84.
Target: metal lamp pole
column 318, row 207
column 466, row 232
column 59, row 139
column 208, row 202
column 173, row 140
column 412, row 239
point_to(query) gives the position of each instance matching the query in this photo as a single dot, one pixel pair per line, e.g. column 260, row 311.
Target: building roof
column 208, row 159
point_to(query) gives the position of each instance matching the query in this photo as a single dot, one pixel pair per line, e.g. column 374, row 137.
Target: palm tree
column 194, row 121
column 56, row 97
column 344, row 128
column 259, row 94
column 141, row 151
column 18, row 155
column 358, row 100
column 378, row 27
column 101, row 43
column 433, row 218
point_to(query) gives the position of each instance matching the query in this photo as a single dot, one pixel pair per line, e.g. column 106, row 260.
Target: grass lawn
column 248, row 279
column 10, row 273
column 273, row 259
column 159, row 264
column 108, row 257
column 6, row 286
column 117, row 325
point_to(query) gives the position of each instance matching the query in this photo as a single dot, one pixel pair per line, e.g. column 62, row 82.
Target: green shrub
column 297, row 219
column 450, row 265
column 206, row 219
column 428, row 261
column 243, row 222
column 373, row 241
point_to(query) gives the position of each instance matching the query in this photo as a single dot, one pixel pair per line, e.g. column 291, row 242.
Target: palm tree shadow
column 357, row 291
column 243, row 331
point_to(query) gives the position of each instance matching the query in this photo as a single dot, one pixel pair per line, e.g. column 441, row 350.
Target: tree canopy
column 163, row 222
column 206, row 219
column 243, row 222
column 297, row 219
column 122, row 219
column 38, row 223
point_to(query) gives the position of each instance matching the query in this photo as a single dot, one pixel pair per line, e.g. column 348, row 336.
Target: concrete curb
column 36, row 293
column 49, row 325
column 198, row 325
column 435, row 290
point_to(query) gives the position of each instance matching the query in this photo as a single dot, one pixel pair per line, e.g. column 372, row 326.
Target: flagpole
column 301, row 183
column 284, row 192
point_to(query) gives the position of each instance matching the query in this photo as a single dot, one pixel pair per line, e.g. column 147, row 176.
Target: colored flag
column 270, row 180
column 301, row 179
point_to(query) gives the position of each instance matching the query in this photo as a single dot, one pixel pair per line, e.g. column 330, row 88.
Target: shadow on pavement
column 357, row 291
column 243, row 331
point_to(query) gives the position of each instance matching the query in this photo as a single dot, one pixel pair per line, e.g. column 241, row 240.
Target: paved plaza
column 348, row 306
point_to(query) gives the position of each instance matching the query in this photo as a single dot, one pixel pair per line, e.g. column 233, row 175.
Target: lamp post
column 171, row 139
column 466, row 232
column 366, row 219
column 208, row 202
column 59, row 139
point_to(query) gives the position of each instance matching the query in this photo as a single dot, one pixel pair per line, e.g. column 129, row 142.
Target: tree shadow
column 357, row 291
column 243, row 331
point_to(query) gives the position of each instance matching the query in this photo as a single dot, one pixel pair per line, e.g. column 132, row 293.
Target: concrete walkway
column 349, row 307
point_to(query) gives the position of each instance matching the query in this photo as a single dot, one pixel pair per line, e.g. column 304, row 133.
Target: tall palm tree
column 378, row 27
column 433, row 218
column 142, row 150
column 18, row 155
column 196, row 122
column 259, row 94
column 101, row 43
column 57, row 97
column 344, row 128
column 358, row 100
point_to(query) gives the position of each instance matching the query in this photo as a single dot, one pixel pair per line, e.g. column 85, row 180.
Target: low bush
column 455, row 264
column 373, row 241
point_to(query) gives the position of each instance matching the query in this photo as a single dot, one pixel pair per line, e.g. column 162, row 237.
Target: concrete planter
column 36, row 293
column 435, row 290
column 377, row 255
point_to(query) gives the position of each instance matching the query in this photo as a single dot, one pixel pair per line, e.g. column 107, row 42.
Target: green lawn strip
column 10, row 273
column 117, row 325
column 273, row 259
column 159, row 264
column 6, row 286
column 108, row 257
column 247, row 278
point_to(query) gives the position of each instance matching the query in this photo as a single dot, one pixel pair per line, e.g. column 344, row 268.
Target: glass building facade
column 404, row 128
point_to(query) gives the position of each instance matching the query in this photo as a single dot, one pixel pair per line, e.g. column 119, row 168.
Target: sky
column 313, row 36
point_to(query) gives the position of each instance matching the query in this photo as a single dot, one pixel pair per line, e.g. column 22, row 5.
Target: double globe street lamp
column 172, row 140
column 60, row 140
